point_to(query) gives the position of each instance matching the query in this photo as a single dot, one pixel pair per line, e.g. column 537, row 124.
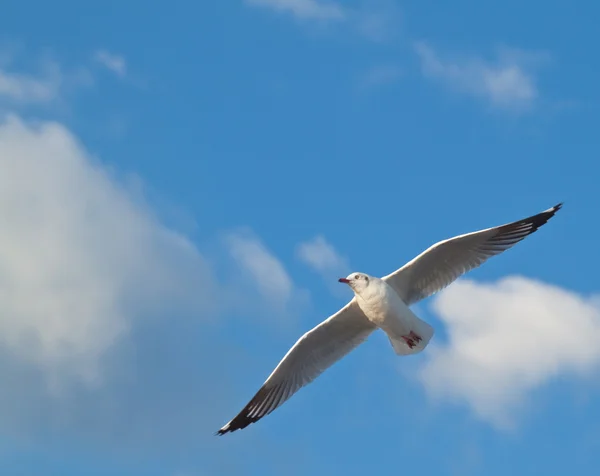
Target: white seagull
column 382, row 303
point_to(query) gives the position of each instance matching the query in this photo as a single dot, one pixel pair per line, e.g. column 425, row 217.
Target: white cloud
column 507, row 83
column 320, row 255
column 506, row 339
column 105, row 312
column 47, row 83
column 259, row 285
column 25, row 88
column 376, row 20
column 112, row 62
column 265, row 271
column 81, row 259
column 304, row 9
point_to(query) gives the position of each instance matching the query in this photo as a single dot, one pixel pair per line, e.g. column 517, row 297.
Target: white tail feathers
column 423, row 330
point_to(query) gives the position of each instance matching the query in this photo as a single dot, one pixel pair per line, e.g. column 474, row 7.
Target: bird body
column 382, row 306
column 382, row 303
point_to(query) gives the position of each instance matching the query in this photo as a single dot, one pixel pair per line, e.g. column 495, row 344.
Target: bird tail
column 423, row 330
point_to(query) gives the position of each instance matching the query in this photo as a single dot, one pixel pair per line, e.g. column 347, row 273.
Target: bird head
column 358, row 282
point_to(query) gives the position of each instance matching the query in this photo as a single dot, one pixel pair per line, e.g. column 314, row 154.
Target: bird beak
column 344, row 280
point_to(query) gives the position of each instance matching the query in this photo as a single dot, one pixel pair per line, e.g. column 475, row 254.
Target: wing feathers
column 312, row 354
column 446, row 261
column 331, row 340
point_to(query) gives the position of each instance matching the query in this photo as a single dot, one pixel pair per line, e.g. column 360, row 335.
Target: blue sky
column 181, row 184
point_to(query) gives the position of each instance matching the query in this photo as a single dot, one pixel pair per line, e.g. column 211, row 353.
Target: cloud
column 115, row 330
column 321, row 256
column 112, row 62
column 304, row 9
column 508, row 338
column 506, row 84
column 47, row 84
column 80, row 259
column 264, row 270
column 376, row 20
column 25, row 88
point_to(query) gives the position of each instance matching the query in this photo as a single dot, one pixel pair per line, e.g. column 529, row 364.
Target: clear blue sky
column 169, row 169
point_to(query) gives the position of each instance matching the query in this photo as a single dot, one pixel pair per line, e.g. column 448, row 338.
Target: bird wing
column 312, row 354
column 444, row 262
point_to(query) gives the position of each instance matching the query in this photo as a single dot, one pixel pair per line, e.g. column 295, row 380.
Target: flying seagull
column 382, row 303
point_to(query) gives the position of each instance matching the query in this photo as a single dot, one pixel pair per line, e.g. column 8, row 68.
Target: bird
column 382, row 303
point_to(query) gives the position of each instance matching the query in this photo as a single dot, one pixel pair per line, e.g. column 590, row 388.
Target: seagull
column 382, row 303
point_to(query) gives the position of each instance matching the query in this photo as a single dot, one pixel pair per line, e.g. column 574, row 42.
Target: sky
column 182, row 184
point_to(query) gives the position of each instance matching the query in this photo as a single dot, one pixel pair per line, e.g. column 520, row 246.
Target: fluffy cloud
column 112, row 62
column 508, row 338
column 107, row 316
column 83, row 258
column 507, row 83
column 304, row 9
column 80, row 258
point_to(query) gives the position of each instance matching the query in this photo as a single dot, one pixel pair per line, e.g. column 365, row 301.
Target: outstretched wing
column 312, row 354
column 444, row 262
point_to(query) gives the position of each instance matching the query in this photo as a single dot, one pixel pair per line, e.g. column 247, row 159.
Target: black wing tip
column 244, row 418
column 238, row 423
column 222, row 431
column 518, row 230
column 543, row 217
column 555, row 208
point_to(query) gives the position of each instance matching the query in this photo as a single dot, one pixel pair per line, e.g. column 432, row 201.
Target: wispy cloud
column 112, row 62
column 374, row 20
column 265, row 270
column 506, row 339
column 507, row 83
column 28, row 88
column 321, row 256
column 304, row 9
column 259, row 284
column 47, row 83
